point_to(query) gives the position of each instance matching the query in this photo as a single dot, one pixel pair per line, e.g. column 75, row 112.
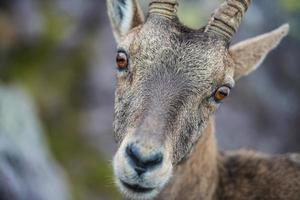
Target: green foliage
column 87, row 171
column 191, row 15
column 290, row 5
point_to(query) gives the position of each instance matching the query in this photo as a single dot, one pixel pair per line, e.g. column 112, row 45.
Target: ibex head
column 170, row 80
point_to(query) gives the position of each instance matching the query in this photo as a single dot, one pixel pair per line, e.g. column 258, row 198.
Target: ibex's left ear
column 249, row 54
column 124, row 15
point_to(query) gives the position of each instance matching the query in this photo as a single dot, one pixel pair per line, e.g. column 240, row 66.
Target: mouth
column 136, row 188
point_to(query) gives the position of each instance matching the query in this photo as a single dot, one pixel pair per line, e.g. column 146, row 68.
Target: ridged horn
column 227, row 18
column 166, row 8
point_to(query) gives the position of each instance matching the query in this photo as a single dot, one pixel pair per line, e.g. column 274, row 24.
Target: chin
column 136, row 192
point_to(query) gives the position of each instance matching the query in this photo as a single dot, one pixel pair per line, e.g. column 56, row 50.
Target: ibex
column 170, row 81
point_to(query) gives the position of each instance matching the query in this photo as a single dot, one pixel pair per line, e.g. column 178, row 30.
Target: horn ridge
column 166, row 8
column 227, row 18
column 246, row 3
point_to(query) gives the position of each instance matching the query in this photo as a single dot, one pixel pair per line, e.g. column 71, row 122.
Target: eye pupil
column 221, row 93
column 121, row 60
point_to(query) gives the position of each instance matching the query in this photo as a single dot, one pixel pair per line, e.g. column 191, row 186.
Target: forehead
column 161, row 43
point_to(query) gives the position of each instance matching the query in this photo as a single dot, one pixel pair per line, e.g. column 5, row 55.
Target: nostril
column 133, row 154
column 154, row 160
column 142, row 163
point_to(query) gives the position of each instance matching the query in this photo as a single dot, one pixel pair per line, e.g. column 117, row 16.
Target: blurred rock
column 27, row 170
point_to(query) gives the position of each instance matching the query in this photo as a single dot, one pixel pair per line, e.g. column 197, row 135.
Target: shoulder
column 244, row 159
column 244, row 163
column 272, row 177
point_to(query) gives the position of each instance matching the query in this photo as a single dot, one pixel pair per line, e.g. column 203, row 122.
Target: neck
column 199, row 169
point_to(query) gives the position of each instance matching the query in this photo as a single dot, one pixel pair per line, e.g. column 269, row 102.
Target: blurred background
column 57, row 79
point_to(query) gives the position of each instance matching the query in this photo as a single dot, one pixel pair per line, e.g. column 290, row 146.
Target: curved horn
column 227, row 18
column 166, row 8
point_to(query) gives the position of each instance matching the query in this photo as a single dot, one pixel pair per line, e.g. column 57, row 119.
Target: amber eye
column 221, row 93
column 121, row 60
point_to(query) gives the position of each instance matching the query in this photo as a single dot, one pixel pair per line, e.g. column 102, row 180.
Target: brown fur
column 239, row 175
column 247, row 175
column 197, row 177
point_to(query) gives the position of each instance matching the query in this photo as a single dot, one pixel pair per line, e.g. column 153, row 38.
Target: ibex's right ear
column 124, row 15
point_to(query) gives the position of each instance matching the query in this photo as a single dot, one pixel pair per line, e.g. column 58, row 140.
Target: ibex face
column 170, row 80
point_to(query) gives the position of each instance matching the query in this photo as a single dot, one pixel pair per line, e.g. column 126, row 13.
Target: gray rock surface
column 27, row 170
